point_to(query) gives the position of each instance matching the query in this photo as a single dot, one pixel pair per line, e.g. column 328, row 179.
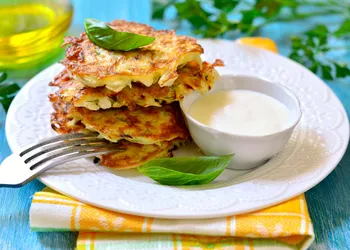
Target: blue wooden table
column 328, row 202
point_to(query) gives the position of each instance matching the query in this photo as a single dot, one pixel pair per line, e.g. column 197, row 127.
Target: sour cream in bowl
column 242, row 115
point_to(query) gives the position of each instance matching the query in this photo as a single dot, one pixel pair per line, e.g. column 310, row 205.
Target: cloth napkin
column 285, row 226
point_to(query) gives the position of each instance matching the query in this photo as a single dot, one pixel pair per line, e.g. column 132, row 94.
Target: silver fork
column 19, row 168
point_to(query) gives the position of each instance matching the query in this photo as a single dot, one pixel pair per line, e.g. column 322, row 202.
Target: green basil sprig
column 8, row 91
column 105, row 37
column 181, row 171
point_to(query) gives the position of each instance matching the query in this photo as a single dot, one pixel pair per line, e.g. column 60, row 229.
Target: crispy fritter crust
column 63, row 122
column 137, row 154
column 156, row 62
column 63, row 119
column 190, row 78
column 142, row 125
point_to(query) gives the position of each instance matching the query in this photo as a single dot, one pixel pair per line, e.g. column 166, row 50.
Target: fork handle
column 14, row 172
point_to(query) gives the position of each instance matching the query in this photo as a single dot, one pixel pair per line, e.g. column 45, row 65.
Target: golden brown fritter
column 142, row 125
column 134, row 155
column 154, row 63
column 190, row 78
column 63, row 119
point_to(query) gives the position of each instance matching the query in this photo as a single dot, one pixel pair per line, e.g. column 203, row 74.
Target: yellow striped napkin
column 285, row 226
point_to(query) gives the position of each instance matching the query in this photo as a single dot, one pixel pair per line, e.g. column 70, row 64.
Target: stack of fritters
column 130, row 98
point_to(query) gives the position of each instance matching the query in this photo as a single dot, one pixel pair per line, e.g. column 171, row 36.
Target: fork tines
column 59, row 138
column 63, row 148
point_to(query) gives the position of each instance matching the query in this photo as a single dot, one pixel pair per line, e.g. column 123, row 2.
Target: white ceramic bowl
column 250, row 151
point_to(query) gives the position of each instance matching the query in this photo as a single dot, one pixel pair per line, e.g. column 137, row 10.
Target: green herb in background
column 105, row 37
column 212, row 19
column 310, row 50
column 8, row 91
column 181, row 171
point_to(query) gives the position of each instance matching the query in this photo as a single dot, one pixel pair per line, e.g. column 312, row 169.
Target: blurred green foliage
column 217, row 18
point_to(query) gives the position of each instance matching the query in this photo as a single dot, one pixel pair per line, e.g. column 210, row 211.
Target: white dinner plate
column 316, row 147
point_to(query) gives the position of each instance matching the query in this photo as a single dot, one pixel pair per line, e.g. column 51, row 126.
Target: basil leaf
column 180, row 171
column 341, row 70
column 5, row 102
column 105, row 37
column 344, row 29
column 8, row 89
column 226, row 5
column 3, row 76
column 7, row 93
column 326, row 72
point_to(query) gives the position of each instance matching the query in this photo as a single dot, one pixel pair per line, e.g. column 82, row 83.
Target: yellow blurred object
column 31, row 32
column 260, row 42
